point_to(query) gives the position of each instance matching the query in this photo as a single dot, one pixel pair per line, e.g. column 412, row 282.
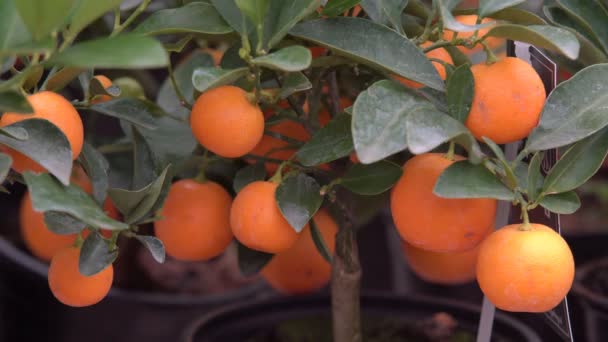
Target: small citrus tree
column 310, row 112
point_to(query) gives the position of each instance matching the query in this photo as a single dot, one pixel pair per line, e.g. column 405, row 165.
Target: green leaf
column 450, row 23
column 62, row 223
column 592, row 16
column 207, row 78
column 62, row 78
column 43, row 17
column 334, row 141
column 129, row 87
column 542, row 36
column 563, row 203
column 336, row 7
column 513, row 15
column 127, row 51
column 290, row 59
column 145, row 166
column 574, row 110
column 137, row 204
column 179, row 45
column 465, row 180
column 292, row 83
column 138, row 112
column 535, row 178
column 248, row 174
column 371, row 179
column 458, row 57
column 87, row 11
column 50, row 195
column 379, row 116
column 385, row 11
column 232, row 15
column 285, row 14
column 95, row 255
column 255, row 10
column 375, row 45
column 460, row 91
column 195, row 17
column 96, row 167
column 44, row 46
column 14, row 132
column 487, row 7
column 578, row 164
column 298, row 198
column 5, row 166
column 317, row 238
column 97, row 88
column 14, row 101
column 154, row 245
column 46, row 145
column 12, row 29
column 251, row 261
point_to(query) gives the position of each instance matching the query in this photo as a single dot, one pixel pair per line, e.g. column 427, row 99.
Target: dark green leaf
column 371, row 179
column 96, row 167
column 207, row 78
column 542, row 36
column 179, row 45
column 336, row 7
column 5, row 166
column 591, row 15
column 43, row 47
column 450, row 23
column 513, row 15
column 248, row 174
column 144, row 162
column 255, row 10
column 62, row 223
column 14, row 132
column 574, row 110
column 298, row 198
column 50, row 195
column 290, row 59
column 317, row 238
column 127, row 51
column 232, row 15
column 458, row 57
column 292, row 83
column 43, row 17
column 12, row 29
column 285, row 14
column 371, row 44
column 62, row 78
column 251, row 261
column 97, row 88
column 460, row 91
column 195, row 17
column 563, row 203
column 138, row 112
column 87, row 11
column 385, row 11
column 14, row 101
column 487, row 7
column 535, row 178
column 45, row 144
column 154, row 245
column 334, row 141
column 465, row 180
column 95, row 255
column 436, row 97
column 578, row 164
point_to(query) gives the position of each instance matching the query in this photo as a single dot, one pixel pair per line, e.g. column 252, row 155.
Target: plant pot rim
column 585, row 292
column 39, row 268
column 368, row 298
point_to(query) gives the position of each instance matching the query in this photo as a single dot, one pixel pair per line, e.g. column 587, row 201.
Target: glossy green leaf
column 336, row 7
column 319, row 242
column 535, row 178
column 127, row 51
column 574, row 110
column 95, row 255
column 385, row 11
column 334, row 141
column 14, row 101
column 179, row 45
column 293, row 83
column 12, row 29
column 465, row 180
column 154, row 246
column 591, row 15
column 50, row 195
column 251, row 261
column 5, row 166
column 375, row 45
column 255, row 10
column 62, row 223
column 44, row 46
column 248, row 174
column 43, row 17
column 15, row 132
column 371, row 179
column 232, row 15
column 145, row 166
column 87, row 11
column 195, row 17
column 458, row 57
column 298, row 198
column 460, row 91
column 450, row 23
column 45, row 144
column 138, row 112
column 487, row 7
column 96, row 167
column 578, row 164
column 563, row 203
column 542, row 36
column 513, row 15
column 290, row 59
column 208, row 78
column 285, row 14
column 62, row 78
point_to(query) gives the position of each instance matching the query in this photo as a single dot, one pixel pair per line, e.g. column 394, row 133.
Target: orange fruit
column 257, row 222
column 430, row 222
column 301, row 268
column 106, row 83
column 508, row 100
column 56, row 109
column 353, row 158
column 440, row 54
column 317, row 51
column 72, row 288
column 225, row 122
column 471, row 19
column 195, row 224
column 525, row 270
column 442, row 268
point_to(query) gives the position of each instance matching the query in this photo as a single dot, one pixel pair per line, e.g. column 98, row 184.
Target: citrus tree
column 292, row 137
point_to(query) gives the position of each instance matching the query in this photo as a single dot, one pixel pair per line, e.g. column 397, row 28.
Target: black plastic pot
column 242, row 321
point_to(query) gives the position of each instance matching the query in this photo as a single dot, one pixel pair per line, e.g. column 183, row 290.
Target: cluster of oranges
column 521, row 267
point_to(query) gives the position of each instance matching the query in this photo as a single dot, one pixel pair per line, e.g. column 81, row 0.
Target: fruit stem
column 79, row 240
column 450, row 154
column 526, row 224
column 113, row 240
column 139, row 10
column 278, row 176
column 201, row 177
column 490, row 56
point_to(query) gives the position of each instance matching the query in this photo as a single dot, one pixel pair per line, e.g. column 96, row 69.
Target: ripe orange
column 508, row 100
column 301, row 268
column 106, row 83
column 440, row 54
column 433, row 223
column 72, row 288
column 226, row 123
column 442, row 268
column 471, row 19
column 56, row 109
column 525, row 270
column 195, row 224
column 257, row 222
